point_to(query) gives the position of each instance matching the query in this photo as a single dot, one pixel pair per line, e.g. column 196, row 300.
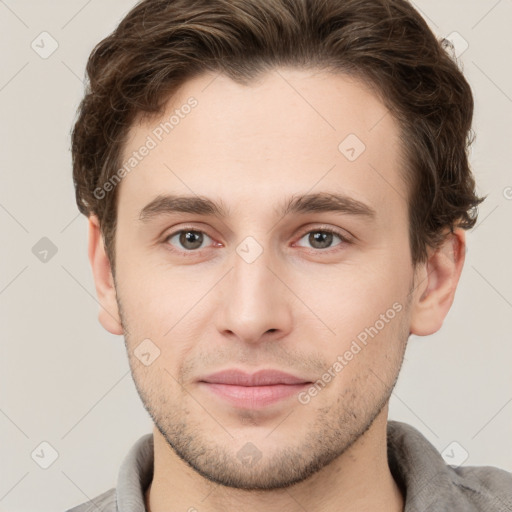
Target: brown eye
column 188, row 239
column 320, row 239
column 323, row 238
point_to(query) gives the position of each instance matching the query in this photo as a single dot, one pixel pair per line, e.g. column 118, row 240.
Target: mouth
column 253, row 391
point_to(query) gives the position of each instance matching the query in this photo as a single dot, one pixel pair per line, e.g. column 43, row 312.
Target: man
column 278, row 193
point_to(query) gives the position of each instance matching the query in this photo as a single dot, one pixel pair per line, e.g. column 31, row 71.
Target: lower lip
column 254, row 397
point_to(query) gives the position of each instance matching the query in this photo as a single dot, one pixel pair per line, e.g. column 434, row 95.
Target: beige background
column 65, row 381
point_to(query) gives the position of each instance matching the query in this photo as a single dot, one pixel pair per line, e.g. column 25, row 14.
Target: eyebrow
column 302, row 204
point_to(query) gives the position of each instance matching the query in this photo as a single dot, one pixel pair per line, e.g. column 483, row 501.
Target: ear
column 437, row 281
column 109, row 314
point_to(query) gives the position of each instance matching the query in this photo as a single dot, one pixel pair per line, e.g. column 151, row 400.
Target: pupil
column 191, row 237
column 324, row 238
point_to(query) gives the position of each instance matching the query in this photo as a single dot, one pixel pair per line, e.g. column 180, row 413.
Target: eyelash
column 344, row 240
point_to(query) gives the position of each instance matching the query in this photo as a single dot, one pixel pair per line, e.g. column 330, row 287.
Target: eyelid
column 344, row 235
column 175, row 232
column 345, row 238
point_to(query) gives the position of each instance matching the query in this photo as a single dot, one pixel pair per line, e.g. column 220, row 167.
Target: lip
column 237, row 377
column 253, row 391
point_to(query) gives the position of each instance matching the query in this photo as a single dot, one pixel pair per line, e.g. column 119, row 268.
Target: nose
column 254, row 303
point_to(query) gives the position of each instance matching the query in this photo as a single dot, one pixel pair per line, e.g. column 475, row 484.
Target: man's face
column 260, row 289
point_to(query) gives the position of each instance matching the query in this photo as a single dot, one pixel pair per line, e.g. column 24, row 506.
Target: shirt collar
column 416, row 466
column 135, row 475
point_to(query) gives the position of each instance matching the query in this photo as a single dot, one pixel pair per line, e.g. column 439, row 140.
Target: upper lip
column 260, row 378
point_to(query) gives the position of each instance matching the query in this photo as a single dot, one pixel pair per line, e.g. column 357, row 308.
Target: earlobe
column 109, row 313
column 436, row 285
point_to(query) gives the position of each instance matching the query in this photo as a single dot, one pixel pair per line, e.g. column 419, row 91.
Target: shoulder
column 430, row 484
column 105, row 502
column 488, row 487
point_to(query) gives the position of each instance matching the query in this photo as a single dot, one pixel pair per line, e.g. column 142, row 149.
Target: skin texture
column 296, row 307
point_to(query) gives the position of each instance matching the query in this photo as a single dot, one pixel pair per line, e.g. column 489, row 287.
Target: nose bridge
column 252, row 279
column 254, row 300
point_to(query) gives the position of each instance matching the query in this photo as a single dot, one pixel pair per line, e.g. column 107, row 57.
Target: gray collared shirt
column 427, row 482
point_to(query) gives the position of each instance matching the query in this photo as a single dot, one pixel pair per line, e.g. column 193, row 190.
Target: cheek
column 368, row 313
column 167, row 310
column 155, row 296
column 366, row 360
column 358, row 297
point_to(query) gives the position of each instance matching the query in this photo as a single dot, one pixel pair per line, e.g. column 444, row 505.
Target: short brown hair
column 160, row 44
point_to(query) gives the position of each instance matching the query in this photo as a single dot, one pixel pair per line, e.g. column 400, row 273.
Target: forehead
column 290, row 131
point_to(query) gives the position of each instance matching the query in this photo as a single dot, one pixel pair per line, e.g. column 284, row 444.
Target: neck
column 358, row 480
